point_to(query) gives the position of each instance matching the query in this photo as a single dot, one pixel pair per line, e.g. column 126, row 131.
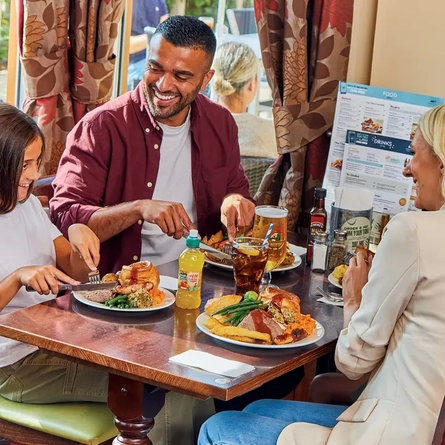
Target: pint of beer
column 264, row 216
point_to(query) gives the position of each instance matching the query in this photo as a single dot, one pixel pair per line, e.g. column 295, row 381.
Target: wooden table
column 136, row 349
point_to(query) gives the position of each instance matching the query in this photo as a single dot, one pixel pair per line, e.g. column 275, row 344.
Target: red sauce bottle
column 317, row 221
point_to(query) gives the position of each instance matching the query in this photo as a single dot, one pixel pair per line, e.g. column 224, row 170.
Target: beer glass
column 249, row 257
column 264, row 217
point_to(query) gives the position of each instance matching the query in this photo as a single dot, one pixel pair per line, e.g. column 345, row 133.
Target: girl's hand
column 355, row 279
column 85, row 243
column 44, row 279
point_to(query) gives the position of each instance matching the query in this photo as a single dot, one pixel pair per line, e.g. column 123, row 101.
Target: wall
column 408, row 45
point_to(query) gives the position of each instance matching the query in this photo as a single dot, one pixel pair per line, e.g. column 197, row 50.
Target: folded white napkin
column 325, row 300
column 212, row 363
column 353, row 198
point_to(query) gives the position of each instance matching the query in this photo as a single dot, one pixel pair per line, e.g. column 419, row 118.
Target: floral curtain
column 59, row 88
column 305, row 49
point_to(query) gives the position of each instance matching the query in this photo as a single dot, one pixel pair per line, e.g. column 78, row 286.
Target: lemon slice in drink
column 248, row 251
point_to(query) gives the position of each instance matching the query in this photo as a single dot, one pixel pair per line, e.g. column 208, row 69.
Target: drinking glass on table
column 264, row 217
column 249, row 257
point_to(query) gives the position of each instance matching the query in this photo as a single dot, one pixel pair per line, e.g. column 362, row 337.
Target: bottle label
column 188, row 280
column 317, row 224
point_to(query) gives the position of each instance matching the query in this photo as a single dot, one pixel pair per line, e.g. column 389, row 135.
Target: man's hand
column 43, row 279
column 355, row 279
column 171, row 217
column 85, row 243
column 237, row 214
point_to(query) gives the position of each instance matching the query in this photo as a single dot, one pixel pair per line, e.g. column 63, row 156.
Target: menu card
column 372, row 130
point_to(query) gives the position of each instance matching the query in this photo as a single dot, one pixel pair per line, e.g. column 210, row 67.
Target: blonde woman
column 394, row 330
column 235, row 82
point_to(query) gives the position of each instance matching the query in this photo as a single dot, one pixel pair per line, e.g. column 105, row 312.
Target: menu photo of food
column 372, row 125
column 413, row 130
column 271, row 318
column 338, row 163
column 137, row 288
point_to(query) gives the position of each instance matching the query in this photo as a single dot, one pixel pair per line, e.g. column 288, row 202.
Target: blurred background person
column 145, row 13
column 236, row 83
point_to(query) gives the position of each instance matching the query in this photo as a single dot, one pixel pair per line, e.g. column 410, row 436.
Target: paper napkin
column 212, row 363
column 353, row 198
column 332, row 303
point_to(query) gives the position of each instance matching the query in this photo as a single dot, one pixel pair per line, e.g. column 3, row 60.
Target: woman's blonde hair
column 432, row 127
column 235, row 65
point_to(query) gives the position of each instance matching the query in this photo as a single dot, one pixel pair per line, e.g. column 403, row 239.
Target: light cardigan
column 256, row 136
column 398, row 334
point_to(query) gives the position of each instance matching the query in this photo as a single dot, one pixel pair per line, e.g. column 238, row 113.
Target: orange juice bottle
column 191, row 262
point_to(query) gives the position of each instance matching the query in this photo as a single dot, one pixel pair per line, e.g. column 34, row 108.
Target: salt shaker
column 338, row 250
column 320, row 252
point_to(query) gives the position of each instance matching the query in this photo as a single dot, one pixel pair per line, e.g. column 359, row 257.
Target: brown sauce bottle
column 317, row 221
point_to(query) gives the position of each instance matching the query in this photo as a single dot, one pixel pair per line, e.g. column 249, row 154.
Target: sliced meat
column 261, row 321
column 99, row 296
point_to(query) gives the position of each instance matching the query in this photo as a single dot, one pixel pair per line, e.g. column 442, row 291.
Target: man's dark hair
column 188, row 32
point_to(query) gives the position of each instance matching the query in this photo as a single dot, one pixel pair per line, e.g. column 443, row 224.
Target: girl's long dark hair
column 17, row 131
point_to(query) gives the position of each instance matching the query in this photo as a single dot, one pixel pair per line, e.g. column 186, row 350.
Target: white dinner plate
column 168, row 301
column 227, row 264
column 316, row 335
column 334, row 281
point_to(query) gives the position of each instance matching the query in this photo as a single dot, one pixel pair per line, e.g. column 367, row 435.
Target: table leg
column 125, row 400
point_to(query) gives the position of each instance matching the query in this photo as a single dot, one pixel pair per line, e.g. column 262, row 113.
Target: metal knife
column 212, row 250
column 82, row 287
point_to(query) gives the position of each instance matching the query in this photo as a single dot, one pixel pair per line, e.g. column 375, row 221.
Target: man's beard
column 167, row 112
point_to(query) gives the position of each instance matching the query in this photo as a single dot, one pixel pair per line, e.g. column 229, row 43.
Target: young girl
column 33, row 252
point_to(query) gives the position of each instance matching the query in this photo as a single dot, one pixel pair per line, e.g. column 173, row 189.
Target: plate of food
column 137, row 291
column 217, row 241
column 271, row 320
column 336, row 276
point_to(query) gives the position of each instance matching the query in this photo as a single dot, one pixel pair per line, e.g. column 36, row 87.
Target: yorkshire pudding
column 139, row 273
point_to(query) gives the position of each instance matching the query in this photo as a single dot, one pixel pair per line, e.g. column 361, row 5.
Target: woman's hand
column 355, row 279
column 43, row 279
column 85, row 243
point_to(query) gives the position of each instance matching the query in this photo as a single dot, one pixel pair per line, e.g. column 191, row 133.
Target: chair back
column 43, row 188
column 439, row 434
column 241, row 21
column 254, row 168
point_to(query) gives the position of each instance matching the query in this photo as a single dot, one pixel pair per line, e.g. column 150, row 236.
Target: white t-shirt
column 174, row 183
column 26, row 239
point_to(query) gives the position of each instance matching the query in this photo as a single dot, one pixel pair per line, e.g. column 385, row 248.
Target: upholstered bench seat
column 85, row 423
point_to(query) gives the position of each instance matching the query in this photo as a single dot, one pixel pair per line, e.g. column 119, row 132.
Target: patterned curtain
column 59, row 88
column 305, row 49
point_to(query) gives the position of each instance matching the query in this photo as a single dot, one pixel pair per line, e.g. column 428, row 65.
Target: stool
column 56, row 424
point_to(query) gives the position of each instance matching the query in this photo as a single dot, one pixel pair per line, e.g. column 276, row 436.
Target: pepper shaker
column 338, row 250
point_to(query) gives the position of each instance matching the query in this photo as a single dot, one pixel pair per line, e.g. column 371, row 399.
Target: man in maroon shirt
column 109, row 170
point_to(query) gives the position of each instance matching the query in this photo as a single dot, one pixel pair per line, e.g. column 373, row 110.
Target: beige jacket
column 398, row 334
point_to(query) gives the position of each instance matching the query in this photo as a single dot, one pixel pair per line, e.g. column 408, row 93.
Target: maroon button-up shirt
column 113, row 154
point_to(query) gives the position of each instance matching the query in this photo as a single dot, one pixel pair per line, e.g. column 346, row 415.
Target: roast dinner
column 137, row 287
column 273, row 317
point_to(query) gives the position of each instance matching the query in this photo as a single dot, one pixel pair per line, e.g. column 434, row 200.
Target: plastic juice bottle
column 191, row 262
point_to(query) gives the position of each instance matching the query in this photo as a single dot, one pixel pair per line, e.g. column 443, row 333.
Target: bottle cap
column 320, row 192
column 340, row 235
column 192, row 239
column 321, row 237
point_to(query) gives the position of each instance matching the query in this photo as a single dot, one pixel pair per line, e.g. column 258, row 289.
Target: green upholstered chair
column 56, row 424
column 254, row 168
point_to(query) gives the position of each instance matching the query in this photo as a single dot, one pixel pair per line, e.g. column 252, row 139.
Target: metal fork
column 94, row 277
column 331, row 296
column 228, row 248
column 350, row 255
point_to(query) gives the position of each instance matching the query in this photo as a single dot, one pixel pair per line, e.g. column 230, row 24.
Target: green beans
column 248, row 304
column 117, row 301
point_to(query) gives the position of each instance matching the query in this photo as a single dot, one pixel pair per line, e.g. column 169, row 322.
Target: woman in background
column 236, row 82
